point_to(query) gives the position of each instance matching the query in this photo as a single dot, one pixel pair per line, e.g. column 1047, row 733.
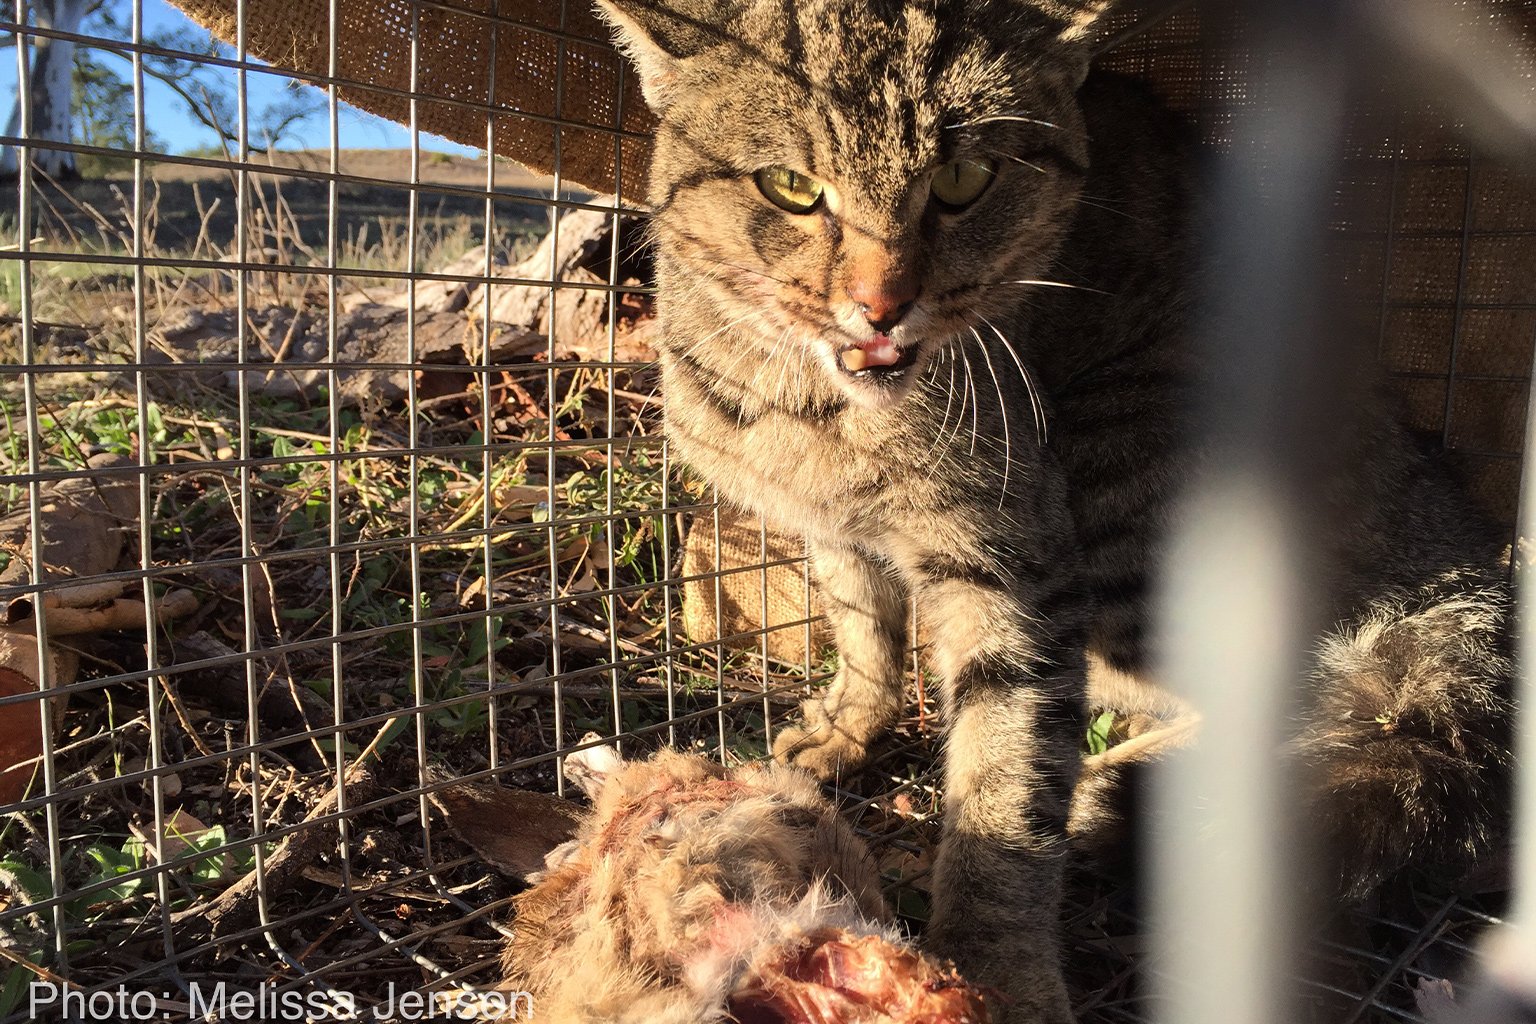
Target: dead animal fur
column 691, row 893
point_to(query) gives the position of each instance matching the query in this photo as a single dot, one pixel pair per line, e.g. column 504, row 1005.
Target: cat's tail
column 1408, row 735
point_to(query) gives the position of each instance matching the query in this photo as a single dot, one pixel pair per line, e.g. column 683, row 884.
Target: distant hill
column 191, row 201
column 387, row 164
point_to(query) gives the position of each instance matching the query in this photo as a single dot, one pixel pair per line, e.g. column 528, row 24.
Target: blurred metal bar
column 1482, row 71
column 1235, row 622
column 1455, row 51
column 1222, row 904
column 1509, row 957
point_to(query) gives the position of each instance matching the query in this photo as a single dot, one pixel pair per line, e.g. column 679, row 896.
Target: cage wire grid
column 350, row 883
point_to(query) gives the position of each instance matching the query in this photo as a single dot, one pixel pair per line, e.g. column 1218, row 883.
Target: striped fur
column 1016, row 483
column 1408, row 738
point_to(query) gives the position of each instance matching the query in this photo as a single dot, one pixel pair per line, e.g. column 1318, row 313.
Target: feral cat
column 925, row 294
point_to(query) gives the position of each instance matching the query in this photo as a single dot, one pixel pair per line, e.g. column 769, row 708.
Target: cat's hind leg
column 867, row 608
column 1406, row 735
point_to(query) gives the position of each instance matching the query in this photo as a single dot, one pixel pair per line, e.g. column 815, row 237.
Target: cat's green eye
column 960, row 183
column 790, row 190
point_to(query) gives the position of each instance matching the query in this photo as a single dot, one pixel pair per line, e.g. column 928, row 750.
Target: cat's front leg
column 1010, row 652
column 867, row 609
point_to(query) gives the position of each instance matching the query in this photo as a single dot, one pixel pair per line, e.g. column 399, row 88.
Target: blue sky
column 166, row 115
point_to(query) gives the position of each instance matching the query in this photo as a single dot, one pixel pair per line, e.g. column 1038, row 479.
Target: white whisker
column 964, row 400
column 1042, row 427
column 1039, row 283
column 949, row 395
column 975, row 401
column 716, row 333
column 1002, row 406
column 773, row 357
column 1085, row 201
column 800, row 388
column 994, row 118
column 1026, row 163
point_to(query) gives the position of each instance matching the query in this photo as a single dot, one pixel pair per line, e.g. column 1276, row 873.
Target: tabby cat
column 925, row 291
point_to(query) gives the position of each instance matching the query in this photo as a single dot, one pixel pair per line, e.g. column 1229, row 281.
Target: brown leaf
column 21, row 736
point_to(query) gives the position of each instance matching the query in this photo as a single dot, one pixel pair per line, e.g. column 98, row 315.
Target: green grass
column 292, row 502
column 109, row 910
column 1099, row 736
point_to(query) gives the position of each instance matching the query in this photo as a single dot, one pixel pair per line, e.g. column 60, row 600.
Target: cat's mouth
column 879, row 358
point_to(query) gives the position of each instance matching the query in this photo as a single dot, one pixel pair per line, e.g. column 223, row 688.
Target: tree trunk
column 50, row 92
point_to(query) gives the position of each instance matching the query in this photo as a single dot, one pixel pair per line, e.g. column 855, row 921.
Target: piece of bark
column 21, row 735
column 100, row 616
column 21, row 739
column 84, row 521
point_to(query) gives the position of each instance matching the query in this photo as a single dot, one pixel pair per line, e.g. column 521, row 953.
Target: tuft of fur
column 1403, row 738
column 1407, row 736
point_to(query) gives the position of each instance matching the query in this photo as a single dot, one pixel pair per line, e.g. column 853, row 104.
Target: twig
column 42, row 972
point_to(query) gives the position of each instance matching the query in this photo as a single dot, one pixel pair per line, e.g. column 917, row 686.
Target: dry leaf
column 21, row 737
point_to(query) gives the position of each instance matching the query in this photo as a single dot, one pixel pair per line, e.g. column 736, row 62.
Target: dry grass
column 382, row 165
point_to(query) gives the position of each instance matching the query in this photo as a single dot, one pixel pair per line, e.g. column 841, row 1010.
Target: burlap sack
column 749, row 561
column 521, row 65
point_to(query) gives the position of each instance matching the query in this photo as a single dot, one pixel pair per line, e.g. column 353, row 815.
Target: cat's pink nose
column 884, row 303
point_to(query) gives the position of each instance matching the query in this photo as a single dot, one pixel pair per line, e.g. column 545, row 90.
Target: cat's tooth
column 854, row 360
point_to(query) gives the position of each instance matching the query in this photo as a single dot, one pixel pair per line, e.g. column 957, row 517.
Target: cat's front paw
column 1026, row 977
column 824, row 745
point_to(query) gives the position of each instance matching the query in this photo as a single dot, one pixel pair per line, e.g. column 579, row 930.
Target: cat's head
column 858, row 181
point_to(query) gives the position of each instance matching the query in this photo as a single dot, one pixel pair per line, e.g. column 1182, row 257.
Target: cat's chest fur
column 845, row 474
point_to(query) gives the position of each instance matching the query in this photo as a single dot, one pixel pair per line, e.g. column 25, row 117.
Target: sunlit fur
column 1017, row 482
column 782, row 90
column 936, row 484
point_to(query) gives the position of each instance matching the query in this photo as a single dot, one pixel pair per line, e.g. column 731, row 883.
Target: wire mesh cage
column 330, row 476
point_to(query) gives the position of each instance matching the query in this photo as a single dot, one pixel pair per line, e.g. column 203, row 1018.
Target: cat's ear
column 658, row 36
column 1075, row 23
column 1078, row 18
